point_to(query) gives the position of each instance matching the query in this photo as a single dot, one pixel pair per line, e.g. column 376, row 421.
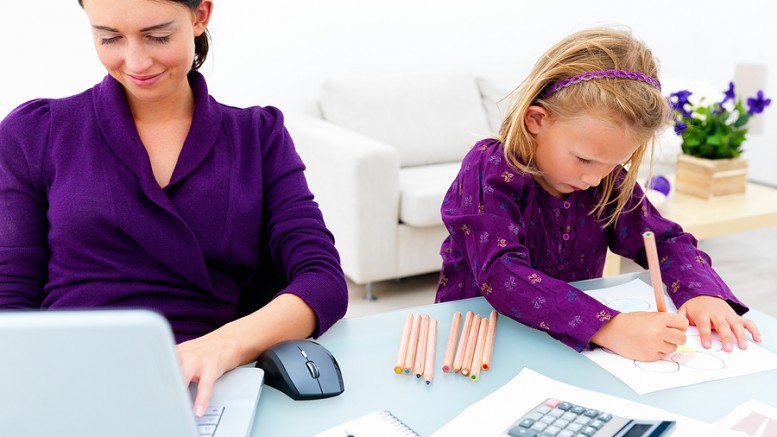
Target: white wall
column 276, row 53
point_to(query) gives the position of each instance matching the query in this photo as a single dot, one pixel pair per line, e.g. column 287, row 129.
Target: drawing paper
column 697, row 365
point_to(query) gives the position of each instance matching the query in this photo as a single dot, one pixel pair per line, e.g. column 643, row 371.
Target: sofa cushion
column 495, row 102
column 428, row 118
column 421, row 190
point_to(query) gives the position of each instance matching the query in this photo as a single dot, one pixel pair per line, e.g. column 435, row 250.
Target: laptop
column 99, row 373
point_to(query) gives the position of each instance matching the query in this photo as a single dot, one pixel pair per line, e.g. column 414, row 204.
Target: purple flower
column 757, row 103
column 680, row 127
column 729, row 94
column 679, row 100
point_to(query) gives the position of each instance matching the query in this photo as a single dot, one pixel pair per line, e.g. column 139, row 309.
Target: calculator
column 556, row 418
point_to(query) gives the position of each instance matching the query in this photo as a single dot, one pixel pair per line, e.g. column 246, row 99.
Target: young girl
column 538, row 206
column 144, row 191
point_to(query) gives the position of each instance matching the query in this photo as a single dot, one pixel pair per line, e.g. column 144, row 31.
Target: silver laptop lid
column 91, row 374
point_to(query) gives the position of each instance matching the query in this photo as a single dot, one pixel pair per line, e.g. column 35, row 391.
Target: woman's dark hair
column 201, row 43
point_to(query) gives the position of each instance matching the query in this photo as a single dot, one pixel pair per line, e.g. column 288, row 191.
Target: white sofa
column 380, row 153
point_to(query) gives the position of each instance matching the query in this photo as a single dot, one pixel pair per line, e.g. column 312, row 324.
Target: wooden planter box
column 711, row 177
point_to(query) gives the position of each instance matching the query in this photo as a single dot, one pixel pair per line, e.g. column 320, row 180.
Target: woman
column 145, row 192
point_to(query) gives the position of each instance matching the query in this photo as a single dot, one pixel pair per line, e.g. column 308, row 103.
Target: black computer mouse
column 302, row 369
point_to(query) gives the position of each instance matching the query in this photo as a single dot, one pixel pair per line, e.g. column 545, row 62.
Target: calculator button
column 566, row 406
column 591, row 413
column 521, row 432
column 552, row 403
column 526, row 423
column 598, row 424
column 565, row 433
column 575, row 427
column 605, row 417
column 582, row 420
column 569, row 416
column 544, row 409
column 577, row 409
column 556, row 412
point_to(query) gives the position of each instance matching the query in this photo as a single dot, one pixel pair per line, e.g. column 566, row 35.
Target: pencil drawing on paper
column 692, row 355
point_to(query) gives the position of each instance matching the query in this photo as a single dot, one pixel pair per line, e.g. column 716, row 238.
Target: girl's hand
column 203, row 360
column 642, row 336
column 709, row 312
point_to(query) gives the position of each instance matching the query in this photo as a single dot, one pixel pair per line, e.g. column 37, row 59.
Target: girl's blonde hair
column 634, row 104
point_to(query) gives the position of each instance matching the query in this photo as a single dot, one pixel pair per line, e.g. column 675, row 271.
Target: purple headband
column 598, row 74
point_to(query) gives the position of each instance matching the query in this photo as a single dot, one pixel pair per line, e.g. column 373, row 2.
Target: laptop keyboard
column 209, row 422
column 556, row 418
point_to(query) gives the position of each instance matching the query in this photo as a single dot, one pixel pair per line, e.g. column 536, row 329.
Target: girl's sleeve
column 488, row 235
column 24, row 250
column 686, row 270
column 299, row 242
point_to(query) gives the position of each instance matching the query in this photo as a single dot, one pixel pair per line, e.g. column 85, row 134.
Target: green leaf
column 714, row 140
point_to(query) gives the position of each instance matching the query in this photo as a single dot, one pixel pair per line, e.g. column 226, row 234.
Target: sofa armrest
column 355, row 180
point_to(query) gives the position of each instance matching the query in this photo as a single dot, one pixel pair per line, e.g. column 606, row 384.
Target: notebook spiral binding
column 398, row 424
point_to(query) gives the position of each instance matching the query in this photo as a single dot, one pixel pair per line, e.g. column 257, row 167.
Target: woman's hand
column 709, row 313
column 642, row 336
column 205, row 359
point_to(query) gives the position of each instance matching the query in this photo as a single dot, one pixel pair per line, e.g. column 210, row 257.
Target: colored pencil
column 420, row 354
column 403, row 344
column 477, row 358
column 489, row 349
column 431, row 349
column 450, row 349
column 655, row 269
column 412, row 344
column 459, row 359
column 466, row 365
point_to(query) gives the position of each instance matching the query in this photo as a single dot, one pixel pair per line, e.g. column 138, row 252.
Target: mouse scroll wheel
column 312, row 369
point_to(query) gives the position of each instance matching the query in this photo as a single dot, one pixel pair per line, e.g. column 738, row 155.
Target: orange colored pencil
column 466, row 365
column 412, row 344
column 488, row 352
column 450, row 349
column 403, row 344
column 477, row 359
column 431, row 349
column 459, row 359
column 420, row 353
column 655, row 269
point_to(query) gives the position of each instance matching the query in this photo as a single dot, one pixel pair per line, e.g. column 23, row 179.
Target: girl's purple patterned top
column 518, row 246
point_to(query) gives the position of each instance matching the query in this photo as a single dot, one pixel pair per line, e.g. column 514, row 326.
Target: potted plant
column 712, row 137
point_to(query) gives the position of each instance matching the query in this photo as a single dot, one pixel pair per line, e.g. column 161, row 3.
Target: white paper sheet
column 492, row 415
column 703, row 365
column 752, row 418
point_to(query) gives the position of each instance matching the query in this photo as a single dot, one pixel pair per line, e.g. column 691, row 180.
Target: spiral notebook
column 377, row 423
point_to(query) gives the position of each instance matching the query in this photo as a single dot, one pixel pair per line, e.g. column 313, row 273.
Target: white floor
column 746, row 261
